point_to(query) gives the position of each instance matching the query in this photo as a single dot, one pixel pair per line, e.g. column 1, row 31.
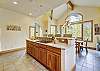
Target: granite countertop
column 56, row 45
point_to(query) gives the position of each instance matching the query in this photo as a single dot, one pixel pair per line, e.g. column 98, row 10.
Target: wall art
column 97, row 29
column 13, row 27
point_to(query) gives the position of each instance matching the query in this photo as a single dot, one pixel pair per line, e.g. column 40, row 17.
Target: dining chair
column 84, row 45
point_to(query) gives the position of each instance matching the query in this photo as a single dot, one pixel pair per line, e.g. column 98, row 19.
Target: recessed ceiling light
column 15, row 2
column 41, row 5
column 30, row 14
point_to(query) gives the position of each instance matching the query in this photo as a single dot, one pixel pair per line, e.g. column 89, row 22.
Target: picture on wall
column 97, row 29
column 13, row 27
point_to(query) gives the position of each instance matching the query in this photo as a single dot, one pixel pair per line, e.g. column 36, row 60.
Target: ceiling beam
column 70, row 5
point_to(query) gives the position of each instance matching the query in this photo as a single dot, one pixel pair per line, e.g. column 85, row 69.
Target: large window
column 75, row 30
column 88, row 30
column 74, row 25
column 78, row 28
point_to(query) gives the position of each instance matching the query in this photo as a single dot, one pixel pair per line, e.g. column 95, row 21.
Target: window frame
column 74, row 13
column 91, row 30
column 55, row 29
column 30, row 36
column 82, row 22
column 76, row 22
column 80, row 28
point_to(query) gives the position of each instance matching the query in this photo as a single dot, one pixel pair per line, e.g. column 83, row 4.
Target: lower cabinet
column 36, row 52
column 29, row 48
column 43, row 56
column 47, row 57
column 53, row 61
column 33, row 51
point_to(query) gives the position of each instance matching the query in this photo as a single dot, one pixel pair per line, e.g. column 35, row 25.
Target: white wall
column 13, row 39
column 0, row 38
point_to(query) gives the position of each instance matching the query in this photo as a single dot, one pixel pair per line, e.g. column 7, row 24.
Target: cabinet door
column 33, row 51
column 53, row 61
column 30, row 49
column 36, row 52
column 43, row 56
column 27, row 46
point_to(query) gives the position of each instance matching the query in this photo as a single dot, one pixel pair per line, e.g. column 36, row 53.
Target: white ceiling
column 59, row 11
column 91, row 3
column 28, row 6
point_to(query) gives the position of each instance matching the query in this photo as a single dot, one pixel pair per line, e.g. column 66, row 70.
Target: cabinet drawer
column 53, row 49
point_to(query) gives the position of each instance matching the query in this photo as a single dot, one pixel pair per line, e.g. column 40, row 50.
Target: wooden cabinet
column 50, row 57
column 35, row 51
column 53, row 61
column 43, row 56
column 29, row 47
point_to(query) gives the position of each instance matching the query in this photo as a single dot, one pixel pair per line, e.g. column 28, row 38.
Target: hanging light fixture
column 71, row 7
column 51, row 15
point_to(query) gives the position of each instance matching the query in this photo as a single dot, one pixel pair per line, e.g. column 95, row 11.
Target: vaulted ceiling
column 90, row 3
column 33, row 7
column 38, row 7
column 59, row 11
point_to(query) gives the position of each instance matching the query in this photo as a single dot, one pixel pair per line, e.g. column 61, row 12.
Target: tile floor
column 20, row 61
column 89, row 61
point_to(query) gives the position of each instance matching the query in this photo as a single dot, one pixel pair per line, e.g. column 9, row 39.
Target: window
column 75, row 30
column 88, row 30
column 78, row 28
column 53, row 29
column 75, row 24
column 37, row 30
column 63, row 31
column 58, row 29
column 74, row 18
column 31, row 32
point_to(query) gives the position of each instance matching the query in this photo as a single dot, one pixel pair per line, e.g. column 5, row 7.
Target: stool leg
column 76, row 49
column 86, row 50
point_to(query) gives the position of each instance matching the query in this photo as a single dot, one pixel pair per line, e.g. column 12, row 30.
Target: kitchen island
column 54, row 56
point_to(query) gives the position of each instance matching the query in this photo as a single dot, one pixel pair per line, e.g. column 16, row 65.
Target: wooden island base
column 48, row 56
column 53, row 58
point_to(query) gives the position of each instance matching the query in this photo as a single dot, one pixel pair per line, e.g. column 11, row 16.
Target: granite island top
column 60, row 45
